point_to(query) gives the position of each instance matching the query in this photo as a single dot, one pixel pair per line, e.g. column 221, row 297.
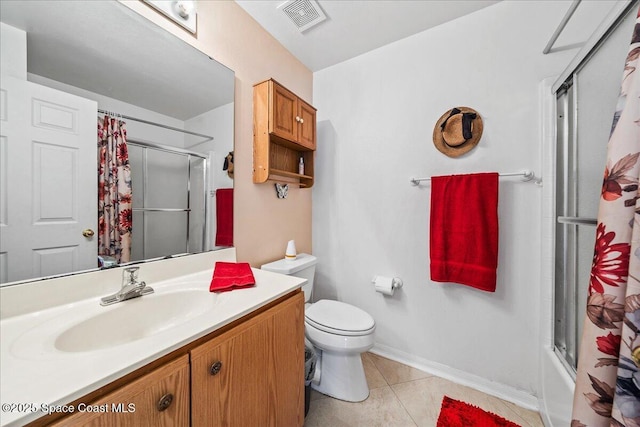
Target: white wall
column 13, row 51
column 219, row 124
column 375, row 121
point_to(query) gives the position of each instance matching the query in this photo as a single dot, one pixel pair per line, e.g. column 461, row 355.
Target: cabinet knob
column 164, row 402
column 298, row 119
column 301, row 120
column 215, row 368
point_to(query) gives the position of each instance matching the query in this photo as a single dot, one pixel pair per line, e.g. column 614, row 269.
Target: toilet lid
column 339, row 318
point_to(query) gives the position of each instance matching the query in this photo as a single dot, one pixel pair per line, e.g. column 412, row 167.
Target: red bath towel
column 224, row 217
column 464, row 230
column 231, row 275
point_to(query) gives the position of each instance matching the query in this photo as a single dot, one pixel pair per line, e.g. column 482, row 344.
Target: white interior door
column 48, row 152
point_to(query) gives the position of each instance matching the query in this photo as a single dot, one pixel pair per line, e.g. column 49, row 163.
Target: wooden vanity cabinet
column 284, row 130
column 159, row 398
column 252, row 375
column 248, row 373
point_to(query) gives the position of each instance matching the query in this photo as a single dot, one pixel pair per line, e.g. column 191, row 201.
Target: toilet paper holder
column 396, row 283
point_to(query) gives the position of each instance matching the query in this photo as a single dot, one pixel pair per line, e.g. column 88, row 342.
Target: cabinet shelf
column 284, row 130
column 297, row 179
column 289, row 174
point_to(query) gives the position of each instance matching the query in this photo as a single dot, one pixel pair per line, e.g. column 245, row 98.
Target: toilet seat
column 339, row 318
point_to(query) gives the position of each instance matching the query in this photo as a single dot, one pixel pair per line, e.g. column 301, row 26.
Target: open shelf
column 288, row 174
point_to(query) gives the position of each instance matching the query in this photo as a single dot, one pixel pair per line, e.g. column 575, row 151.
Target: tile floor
column 403, row 396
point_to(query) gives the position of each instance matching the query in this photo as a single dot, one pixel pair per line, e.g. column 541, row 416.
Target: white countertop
column 36, row 375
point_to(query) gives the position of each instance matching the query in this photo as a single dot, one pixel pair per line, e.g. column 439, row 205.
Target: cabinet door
column 288, row 363
column 252, row 375
column 307, row 125
column 283, row 113
column 139, row 403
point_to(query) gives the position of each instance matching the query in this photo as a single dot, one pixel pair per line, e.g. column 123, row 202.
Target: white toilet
column 339, row 332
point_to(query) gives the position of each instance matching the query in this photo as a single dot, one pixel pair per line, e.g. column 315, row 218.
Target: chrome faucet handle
column 130, row 276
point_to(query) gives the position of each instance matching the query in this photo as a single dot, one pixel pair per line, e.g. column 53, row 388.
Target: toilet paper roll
column 384, row 285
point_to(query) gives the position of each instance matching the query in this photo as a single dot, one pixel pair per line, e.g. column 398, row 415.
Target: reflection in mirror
column 64, row 66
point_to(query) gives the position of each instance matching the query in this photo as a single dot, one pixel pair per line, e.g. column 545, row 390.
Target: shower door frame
column 178, row 151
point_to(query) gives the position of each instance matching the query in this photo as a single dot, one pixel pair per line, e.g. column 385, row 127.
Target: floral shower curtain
column 114, row 190
column 607, row 389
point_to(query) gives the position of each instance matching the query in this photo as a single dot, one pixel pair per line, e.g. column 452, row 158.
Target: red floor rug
column 455, row 413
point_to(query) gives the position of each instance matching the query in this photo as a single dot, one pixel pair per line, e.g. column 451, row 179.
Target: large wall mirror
column 87, row 60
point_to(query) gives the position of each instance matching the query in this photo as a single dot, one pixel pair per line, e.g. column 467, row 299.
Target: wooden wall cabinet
column 284, row 130
column 249, row 373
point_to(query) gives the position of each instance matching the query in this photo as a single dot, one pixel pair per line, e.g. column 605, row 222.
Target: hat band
column 467, row 119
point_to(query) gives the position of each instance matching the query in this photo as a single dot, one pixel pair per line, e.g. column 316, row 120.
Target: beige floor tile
column 374, row 377
column 381, row 409
column 394, row 372
column 315, row 395
column 423, row 398
column 414, row 399
column 531, row 418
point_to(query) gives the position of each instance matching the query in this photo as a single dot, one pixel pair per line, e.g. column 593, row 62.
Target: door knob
column 88, row 232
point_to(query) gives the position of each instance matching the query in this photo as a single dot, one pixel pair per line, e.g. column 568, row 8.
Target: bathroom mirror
column 122, row 64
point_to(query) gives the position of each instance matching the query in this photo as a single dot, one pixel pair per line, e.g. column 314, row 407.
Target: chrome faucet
column 131, row 288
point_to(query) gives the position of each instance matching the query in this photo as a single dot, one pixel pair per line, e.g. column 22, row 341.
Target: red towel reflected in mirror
column 224, row 217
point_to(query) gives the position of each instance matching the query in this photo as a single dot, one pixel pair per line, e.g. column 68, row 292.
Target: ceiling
column 354, row 27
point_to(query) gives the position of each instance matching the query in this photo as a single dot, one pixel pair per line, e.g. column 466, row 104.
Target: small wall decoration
column 282, row 190
column 228, row 164
column 182, row 12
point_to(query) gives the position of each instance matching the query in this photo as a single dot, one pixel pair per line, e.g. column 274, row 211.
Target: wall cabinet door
column 284, row 112
column 291, row 118
column 307, row 126
column 252, row 375
column 160, row 398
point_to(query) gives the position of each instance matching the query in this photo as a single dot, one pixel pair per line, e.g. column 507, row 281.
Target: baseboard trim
column 501, row 391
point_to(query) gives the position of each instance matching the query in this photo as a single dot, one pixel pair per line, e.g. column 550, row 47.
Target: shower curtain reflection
column 114, row 190
column 168, row 201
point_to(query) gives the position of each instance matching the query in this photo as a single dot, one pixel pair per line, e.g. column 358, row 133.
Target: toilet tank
column 303, row 266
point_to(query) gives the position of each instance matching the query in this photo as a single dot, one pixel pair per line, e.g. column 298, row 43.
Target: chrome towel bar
column 526, row 175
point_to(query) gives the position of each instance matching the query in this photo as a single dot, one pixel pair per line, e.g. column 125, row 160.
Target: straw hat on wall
column 457, row 131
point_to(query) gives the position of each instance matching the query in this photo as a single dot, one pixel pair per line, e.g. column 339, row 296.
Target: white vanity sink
column 58, row 353
column 86, row 326
column 135, row 319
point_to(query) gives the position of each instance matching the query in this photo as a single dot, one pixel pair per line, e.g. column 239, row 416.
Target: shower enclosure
column 585, row 104
column 169, row 206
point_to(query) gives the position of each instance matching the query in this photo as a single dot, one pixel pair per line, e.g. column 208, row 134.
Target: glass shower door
column 585, row 107
column 168, row 196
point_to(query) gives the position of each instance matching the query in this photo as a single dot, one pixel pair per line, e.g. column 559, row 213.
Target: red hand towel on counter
column 224, row 217
column 230, row 275
column 464, row 230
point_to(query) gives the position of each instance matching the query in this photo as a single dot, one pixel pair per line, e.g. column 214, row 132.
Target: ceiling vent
column 304, row 13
